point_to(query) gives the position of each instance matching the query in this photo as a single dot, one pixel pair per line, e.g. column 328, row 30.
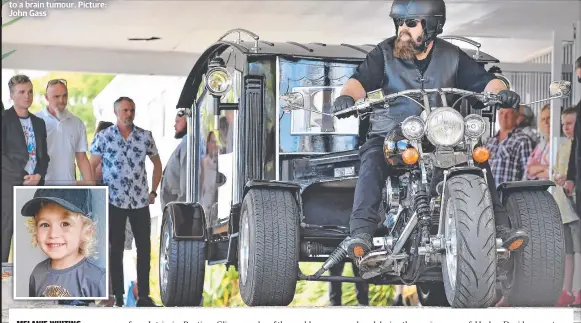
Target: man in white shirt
column 67, row 139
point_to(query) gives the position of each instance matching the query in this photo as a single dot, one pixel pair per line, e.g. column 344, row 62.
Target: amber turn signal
column 481, row 154
column 515, row 245
column 410, row 156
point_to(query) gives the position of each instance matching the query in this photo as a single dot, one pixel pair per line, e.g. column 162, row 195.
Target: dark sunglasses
column 56, row 81
column 411, row 23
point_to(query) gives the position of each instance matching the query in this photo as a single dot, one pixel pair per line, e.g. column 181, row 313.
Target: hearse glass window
column 307, row 90
column 217, row 140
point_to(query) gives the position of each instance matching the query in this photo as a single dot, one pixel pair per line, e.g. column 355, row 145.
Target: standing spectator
column 24, row 153
column 573, row 184
column 66, row 138
column 509, row 149
column 568, row 215
column 121, row 150
column 173, row 182
column 538, row 164
column 525, row 121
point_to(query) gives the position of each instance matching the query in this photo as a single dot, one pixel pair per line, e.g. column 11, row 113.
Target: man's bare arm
column 354, row 89
column 157, row 171
column 85, row 168
column 95, row 161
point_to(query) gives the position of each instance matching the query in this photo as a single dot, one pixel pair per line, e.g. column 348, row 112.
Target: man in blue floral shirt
column 121, row 151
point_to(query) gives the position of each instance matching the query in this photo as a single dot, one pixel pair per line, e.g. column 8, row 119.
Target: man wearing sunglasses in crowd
column 173, row 181
column 66, row 138
column 413, row 59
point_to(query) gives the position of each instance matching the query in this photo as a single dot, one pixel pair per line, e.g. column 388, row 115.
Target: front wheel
column 469, row 266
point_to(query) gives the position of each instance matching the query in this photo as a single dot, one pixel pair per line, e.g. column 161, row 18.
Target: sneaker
column 145, row 302
column 513, row 240
column 565, row 299
column 577, row 302
column 119, row 301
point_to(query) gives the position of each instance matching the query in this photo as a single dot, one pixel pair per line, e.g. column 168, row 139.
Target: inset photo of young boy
column 60, row 243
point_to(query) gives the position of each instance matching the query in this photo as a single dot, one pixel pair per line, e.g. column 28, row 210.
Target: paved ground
column 9, row 302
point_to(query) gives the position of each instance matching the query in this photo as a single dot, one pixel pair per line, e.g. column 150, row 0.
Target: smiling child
column 62, row 226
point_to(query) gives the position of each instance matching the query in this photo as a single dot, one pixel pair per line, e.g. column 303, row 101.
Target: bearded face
column 407, row 46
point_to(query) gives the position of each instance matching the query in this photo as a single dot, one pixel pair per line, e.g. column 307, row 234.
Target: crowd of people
column 46, row 148
column 518, row 152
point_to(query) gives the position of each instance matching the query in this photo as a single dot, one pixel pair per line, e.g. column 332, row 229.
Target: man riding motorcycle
column 415, row 58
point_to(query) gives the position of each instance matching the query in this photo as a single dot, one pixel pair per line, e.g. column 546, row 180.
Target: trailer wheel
column 181, row 266
column 268, row 248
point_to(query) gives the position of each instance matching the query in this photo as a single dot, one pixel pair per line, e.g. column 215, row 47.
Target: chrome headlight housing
column 218, row 81
column 474, row 126
column 445, row 127
column 413, row 128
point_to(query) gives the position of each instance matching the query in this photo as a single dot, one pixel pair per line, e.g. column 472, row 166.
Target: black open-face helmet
column 431, row 13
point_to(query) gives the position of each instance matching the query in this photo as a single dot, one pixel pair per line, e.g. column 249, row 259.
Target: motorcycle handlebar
column 485, row 98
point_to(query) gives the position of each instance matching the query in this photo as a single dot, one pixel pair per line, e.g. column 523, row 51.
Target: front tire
column 538, row 270
column 469, row 265
column 268, row 248
column 182, row 265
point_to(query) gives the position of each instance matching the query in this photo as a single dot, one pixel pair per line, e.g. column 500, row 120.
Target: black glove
column 509, row 99
column 343, row 102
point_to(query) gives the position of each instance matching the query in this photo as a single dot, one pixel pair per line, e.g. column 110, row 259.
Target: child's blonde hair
column 88, row 238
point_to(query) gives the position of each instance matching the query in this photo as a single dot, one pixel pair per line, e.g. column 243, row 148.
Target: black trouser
column 335, row 293
column 372, row 175
column 140, row 222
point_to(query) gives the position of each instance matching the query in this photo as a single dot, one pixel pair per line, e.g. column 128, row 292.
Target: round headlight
column 445, row 127
column 474, row 126
column 413, row 128
column 218, row 80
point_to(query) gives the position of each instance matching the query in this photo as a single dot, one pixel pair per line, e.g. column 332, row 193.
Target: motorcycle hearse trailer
column 271, row 177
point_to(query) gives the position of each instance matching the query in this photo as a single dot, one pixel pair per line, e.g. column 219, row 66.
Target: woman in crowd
column 538, row 164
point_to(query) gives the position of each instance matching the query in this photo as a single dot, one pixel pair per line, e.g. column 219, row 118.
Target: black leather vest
column 404, row 75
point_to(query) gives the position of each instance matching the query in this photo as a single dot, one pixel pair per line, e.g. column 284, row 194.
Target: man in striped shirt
column 509, row 149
